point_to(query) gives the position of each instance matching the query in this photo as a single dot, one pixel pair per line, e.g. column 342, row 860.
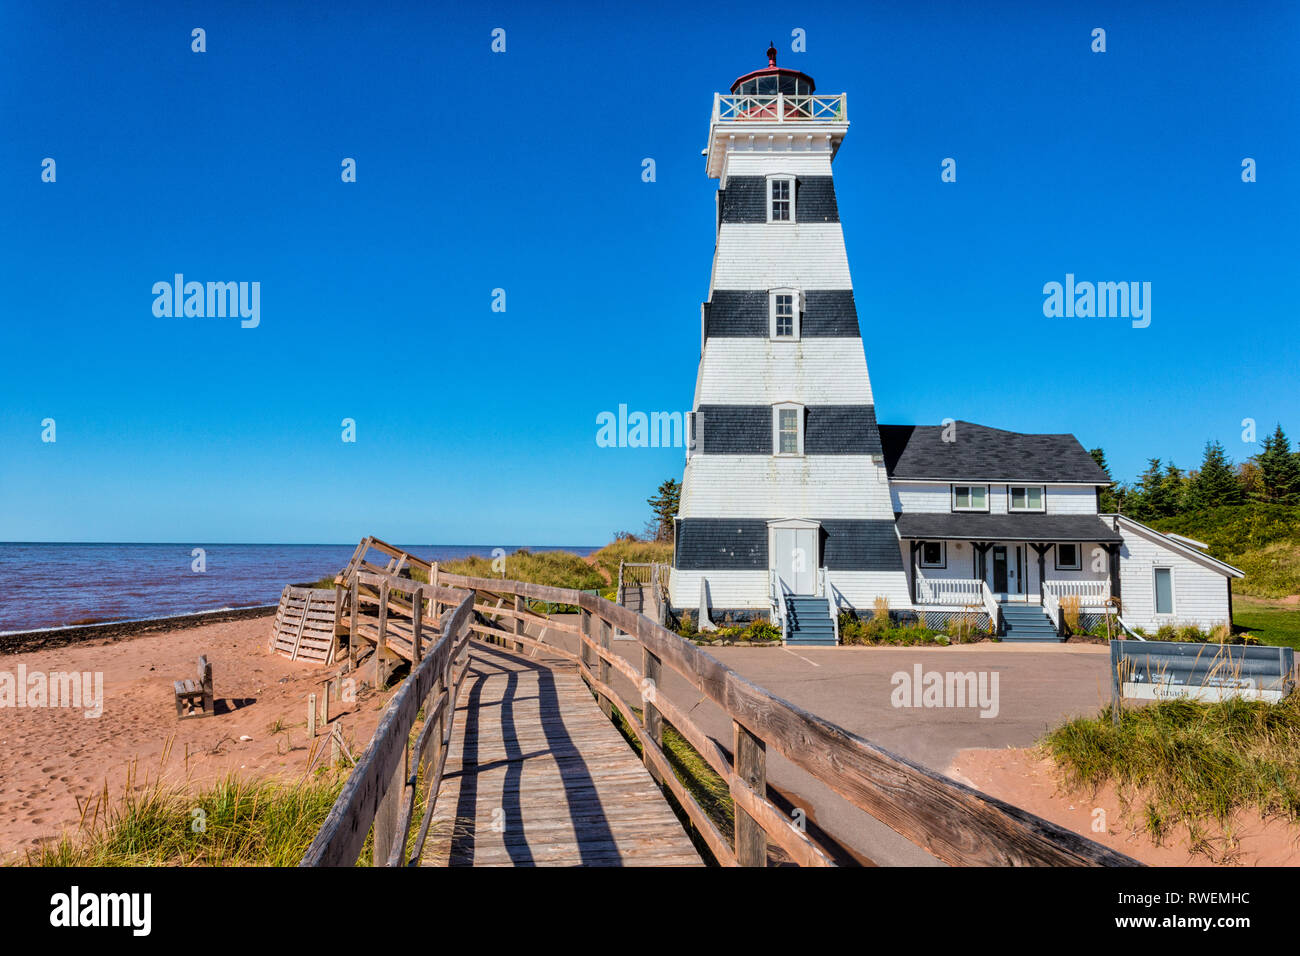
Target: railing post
column 602, row 668
column 386, row 816
column 353, row 640
column 751, row 768
column 519, row 622
column 417, row 615
column 651, row 719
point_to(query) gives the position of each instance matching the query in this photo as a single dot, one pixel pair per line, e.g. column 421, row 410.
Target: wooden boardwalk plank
column 537, row 776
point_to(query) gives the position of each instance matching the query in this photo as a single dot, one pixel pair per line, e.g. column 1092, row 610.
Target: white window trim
column 787, row 177
column 1155, row 596
column 776, row 429
column 943, row 555
column 1078, row 557
column 1042, row 497
column 797, row 298
column 952, row 498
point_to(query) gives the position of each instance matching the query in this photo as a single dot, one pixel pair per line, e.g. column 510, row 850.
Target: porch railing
column 991, row 607
column 1088, row 592
column 776, row 598
column 948, row 590
column 1052, row 606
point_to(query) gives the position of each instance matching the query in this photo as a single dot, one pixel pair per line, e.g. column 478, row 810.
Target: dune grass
column 234, row 822
column 1182, row 762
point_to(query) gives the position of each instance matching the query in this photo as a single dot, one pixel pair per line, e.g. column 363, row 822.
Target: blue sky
column 522, row 171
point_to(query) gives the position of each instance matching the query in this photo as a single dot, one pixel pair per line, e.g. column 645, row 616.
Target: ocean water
column 47, row 585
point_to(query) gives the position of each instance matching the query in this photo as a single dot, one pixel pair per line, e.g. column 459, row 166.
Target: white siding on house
column 764, row 486
column 916, row 496
column 789, row 255
column 1200, row 593
column 762, row 372
column 861, row 588
column 1072, row 500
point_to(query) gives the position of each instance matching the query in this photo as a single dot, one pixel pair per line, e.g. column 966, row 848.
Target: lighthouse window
column 781, row 204
column 784, row 316
column 787, row 427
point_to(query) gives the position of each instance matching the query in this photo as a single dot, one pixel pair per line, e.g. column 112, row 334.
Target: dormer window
column 1026, row 498
column 787, row 429
column 780, row 199
column 970, row 497
column 783, row 314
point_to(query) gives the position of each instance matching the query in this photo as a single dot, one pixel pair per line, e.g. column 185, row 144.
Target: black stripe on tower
column 740, row 544
column 745, row 199
column 747, row 430
column 827, row 313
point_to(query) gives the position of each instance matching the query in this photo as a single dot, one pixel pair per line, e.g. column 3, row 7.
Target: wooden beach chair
column 196, row 694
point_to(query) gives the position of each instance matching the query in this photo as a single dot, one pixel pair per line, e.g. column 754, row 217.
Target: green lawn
column 1270, row 621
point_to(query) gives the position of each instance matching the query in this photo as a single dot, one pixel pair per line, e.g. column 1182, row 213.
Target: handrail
column 992, row 607
column 776, row 599
column 380, row 791
column 1053, row 608
column 780, row 107
column 954, row 822
column 831, row 607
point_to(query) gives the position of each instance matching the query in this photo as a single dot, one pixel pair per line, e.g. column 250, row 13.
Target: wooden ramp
column 537, row 776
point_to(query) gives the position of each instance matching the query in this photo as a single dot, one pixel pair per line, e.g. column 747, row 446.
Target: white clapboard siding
column 755, row 371
column 764, row 163
column 1200, row 592
column 795, row 255
column 930, row 498
column 763, row 486
column 859, row 589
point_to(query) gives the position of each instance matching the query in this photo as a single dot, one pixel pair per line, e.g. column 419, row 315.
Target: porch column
column 981, row 550
column 1041, row 551
column 916, row 546
column 1112, row 556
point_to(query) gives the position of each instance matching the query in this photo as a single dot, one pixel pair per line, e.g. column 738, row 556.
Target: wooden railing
column 991, row 607
column 780, row 107
column 380, row 792
column 1088, row 592
column 1052, row 607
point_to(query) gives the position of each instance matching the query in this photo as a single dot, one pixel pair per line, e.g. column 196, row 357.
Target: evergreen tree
column 1279, row 470
column 1111, row 497
column 1216, row 482
column 1147, row 498
column 664, row 505
column 1174, row 485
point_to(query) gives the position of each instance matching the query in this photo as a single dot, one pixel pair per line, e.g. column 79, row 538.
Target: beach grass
column 1187, row 763
column 234, row 822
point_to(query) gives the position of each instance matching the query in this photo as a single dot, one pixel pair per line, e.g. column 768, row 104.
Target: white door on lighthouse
column 794, row 555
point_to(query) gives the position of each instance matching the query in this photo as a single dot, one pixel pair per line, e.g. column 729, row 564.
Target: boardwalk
column 537, row 776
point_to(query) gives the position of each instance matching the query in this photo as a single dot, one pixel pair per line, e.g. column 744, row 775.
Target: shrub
column 1070, row 611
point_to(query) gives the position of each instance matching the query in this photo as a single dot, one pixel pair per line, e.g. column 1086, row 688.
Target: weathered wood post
column 311, row 716
column 417, row 614
column 751, row 768
column 386, row 816
column 386, row 660
column 651, row 719
column 519, row 621
column 353, row 638
column 602, row 668
column 584, row 633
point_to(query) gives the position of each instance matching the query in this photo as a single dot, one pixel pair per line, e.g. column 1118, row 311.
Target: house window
column 787, row 430
column 783, row 314
column 780, row 200
column 932, row 555
column 970, row 497
column 1028, row 498
column 1164, row 590
column 1067, row 557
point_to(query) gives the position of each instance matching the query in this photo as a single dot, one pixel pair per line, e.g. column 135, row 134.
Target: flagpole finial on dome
column 771, row 54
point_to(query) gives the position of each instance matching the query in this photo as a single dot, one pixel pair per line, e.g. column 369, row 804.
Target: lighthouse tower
column 785, row 505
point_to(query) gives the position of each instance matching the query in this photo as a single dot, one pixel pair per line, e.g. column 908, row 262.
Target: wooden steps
column 304, row 624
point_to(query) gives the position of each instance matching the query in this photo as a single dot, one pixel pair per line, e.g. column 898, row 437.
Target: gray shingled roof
column 984, row 527
column 980, row 453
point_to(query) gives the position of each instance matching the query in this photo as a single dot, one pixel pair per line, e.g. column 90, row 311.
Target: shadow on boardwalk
column 538, row 776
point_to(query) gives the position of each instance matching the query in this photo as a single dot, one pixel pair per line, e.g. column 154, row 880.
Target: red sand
column 1028, row 780
column 50, row 757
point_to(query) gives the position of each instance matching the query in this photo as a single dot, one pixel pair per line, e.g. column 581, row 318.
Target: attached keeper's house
column 795, row 503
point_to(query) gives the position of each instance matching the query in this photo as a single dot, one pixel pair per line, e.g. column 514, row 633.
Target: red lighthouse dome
column 773, row 79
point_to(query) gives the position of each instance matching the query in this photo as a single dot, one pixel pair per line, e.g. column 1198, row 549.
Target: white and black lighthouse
column 785, row 502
